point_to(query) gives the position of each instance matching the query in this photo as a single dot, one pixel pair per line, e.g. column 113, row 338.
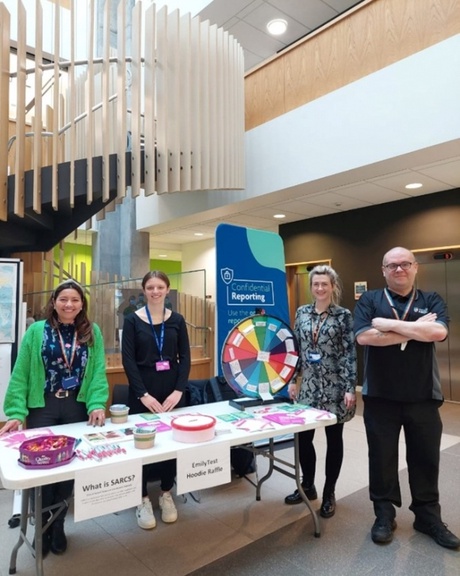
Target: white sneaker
column 144, row 514
column 167, row 507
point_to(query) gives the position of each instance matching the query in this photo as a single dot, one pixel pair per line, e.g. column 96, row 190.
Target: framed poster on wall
column 11, row 321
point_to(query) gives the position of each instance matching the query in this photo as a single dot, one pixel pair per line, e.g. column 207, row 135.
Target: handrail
column 198, row 327
column 67, row 126
column 64, row 65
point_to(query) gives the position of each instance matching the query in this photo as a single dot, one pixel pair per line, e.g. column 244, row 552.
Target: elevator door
column 443, row 276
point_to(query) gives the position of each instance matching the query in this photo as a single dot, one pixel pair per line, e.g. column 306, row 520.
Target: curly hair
column 83, row 325
column 325, row 270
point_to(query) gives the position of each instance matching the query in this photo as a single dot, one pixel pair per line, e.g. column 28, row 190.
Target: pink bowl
column 47, row 450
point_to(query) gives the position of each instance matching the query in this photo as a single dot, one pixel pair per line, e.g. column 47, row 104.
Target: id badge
column 162, row 365
column 313, row 357
column 69, row 383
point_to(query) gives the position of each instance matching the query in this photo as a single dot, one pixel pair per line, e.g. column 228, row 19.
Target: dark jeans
column 422, row 427
column 334, row 456
column 57, row 411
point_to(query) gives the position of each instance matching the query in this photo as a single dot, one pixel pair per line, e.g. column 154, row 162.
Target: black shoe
column 45, row 544
column 58, row 539
column 382, row 530
column 296, row 498
column 327, row 509
column 440, row 534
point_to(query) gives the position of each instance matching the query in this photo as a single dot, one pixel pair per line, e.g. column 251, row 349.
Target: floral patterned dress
column 327, row 358
column 55, row 366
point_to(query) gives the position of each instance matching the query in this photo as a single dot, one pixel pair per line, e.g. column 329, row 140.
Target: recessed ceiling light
column 279, row 216
column 413, row 186
column 277, row 27
column 198, row 234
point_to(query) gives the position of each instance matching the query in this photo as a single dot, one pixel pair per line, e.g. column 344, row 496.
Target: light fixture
column 279, row 216
column 162, row 255
column 277, row 27
column 198, row 234
column 413, row 186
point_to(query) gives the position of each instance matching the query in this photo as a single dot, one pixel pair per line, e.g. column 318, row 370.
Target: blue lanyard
column 162, row 332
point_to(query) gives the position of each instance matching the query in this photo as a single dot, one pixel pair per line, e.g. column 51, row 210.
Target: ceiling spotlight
column 413, row 186
column 277, row 27
column 279, row 216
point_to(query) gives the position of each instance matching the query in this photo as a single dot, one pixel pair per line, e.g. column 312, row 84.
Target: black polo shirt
column 411, row 375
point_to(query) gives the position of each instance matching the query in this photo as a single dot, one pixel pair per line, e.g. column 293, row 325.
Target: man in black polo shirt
column 398, row 327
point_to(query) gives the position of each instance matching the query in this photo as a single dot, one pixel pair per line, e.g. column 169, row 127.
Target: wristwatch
column 144, row 394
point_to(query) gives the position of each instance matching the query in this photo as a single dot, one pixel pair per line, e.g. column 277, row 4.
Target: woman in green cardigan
column 59, row 377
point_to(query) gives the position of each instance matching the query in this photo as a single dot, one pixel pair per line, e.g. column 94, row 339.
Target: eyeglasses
column 393, row 266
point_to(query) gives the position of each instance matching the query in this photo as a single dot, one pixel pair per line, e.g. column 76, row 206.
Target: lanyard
column 406, row 309
column 68, row 359
column 317, row 329
column 162, row 332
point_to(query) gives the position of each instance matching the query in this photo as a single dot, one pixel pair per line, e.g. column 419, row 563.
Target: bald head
column 397, row 252
column 399, row 269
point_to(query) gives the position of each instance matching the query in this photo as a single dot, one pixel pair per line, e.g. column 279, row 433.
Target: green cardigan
column 27, row 382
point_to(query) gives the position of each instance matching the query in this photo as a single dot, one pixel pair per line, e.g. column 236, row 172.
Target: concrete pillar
column 119, row 248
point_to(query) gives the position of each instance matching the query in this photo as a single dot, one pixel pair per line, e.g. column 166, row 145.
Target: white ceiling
column 437, row 169
column 247, row 21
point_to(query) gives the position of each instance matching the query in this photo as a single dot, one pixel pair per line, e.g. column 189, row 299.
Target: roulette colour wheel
column 259, row 356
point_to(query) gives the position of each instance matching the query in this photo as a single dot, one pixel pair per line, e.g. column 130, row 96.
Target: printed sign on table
column 203, row 467
column 107, row 489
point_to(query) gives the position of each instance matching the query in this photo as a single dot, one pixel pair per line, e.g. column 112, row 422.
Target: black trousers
column 164, row 471
column 422, row 427
column 334, row 456
column 57, row 411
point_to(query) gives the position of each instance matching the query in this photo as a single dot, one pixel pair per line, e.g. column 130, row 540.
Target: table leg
column 37, row 550
column 38, row 512
column 271, row 467
column 22, row 530
column 274, row 464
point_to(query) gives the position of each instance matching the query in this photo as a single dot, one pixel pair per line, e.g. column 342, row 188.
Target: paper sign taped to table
column 205, row 466
column 107, row 489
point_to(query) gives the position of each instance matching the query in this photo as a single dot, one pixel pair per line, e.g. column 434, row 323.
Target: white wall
column 198, row 256
column 409, row 106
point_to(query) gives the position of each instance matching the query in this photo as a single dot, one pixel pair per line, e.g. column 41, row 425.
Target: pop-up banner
column 251, row 277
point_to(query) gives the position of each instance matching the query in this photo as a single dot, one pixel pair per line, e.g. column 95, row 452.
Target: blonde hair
column 323, row 269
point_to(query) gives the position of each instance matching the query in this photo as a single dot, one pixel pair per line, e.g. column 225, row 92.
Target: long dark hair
column 83, row 326
column 155, row 274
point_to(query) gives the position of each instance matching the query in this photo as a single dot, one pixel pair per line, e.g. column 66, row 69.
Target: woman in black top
column 156, row 359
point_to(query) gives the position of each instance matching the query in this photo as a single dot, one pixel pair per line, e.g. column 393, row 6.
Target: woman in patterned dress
column 328, row 369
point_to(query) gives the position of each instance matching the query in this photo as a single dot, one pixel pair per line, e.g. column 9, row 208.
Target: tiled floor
column 229, row 532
